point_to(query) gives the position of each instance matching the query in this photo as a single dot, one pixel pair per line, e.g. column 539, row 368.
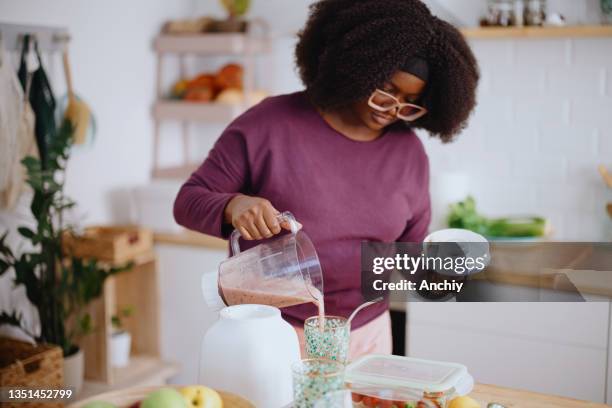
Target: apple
column 198, row 396
column 164, row 398
column 100, row 404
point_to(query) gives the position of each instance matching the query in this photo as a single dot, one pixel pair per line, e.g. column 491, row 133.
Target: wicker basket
column 26, row 365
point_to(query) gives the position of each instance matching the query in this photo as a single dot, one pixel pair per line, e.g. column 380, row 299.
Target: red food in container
column 382, row 381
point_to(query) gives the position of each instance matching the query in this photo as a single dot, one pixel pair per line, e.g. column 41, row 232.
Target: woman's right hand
column 253, row 217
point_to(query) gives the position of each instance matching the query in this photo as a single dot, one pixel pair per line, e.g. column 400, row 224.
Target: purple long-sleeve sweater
column 342, row 191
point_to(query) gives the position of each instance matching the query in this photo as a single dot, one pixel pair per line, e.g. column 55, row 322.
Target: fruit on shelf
column 198, row 396
column 226, row 87
column 230, row 96
column 200, row 89
column 229, row 76
column 202, row 81
column 179, row 88
column 233, row 96
column 164, row 398
column 199, row 95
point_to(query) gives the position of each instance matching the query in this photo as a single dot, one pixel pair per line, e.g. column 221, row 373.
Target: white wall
column 113, row 67
column 541, row 127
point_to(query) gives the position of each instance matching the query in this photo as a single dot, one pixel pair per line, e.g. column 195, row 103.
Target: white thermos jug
column 249, row 352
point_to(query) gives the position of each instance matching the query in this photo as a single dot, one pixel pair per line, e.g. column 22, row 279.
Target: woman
column 342, row 155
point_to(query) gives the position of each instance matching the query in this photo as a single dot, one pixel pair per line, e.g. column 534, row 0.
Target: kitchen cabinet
column 137, row 288
column 553, row 348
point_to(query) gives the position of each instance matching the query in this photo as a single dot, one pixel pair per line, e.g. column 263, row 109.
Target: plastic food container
column 378, row 381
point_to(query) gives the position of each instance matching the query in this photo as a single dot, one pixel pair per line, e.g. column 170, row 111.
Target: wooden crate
column 26, row 365
column 111, row 244
column 139, row 289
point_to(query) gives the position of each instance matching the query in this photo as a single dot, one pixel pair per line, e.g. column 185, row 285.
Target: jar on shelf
column 506, row 11
column 492, row 14
column 500, row 13
column 535, row 12
column 518, row 13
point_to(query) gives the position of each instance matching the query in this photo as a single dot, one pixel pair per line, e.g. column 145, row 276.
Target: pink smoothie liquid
column 273, row 293
column 278, row 294
column 239, row 296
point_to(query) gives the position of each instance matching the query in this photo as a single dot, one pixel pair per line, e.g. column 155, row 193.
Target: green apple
column 100, row 404
column 198, row 396
column 164, row 398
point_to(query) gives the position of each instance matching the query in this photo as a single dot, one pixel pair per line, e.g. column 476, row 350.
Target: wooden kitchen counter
column 525, row 399
column 484, row 394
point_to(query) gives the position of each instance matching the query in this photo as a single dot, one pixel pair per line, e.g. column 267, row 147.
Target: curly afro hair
column 349, row 48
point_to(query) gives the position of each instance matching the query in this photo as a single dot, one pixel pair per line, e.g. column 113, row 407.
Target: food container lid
column 406, row 372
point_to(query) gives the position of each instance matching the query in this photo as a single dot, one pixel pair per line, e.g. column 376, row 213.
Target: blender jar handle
column 283, row 217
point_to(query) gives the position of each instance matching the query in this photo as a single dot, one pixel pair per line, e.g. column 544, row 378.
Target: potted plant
column 236, row 9
column 121, row 340
column 59, row 285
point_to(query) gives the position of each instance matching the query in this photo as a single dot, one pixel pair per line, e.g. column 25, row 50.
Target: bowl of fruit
column 193, row 396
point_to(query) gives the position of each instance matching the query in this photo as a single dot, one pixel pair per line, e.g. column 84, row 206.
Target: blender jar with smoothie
column 280, row 272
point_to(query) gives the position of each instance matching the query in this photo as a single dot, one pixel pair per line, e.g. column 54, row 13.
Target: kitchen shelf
column 196, row 111
column 493, row 33
column 138, row 288
column 190, row 238
column 246, row 46
column 211, row 44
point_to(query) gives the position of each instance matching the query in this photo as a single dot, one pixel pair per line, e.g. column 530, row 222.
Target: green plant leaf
column 5, row 250
column 4, row 266
column 26, row 232
column 32, row 164
column 116, row 322
column 24, row 275
column 127, row 311
column 12, row 319
column 85, row 324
